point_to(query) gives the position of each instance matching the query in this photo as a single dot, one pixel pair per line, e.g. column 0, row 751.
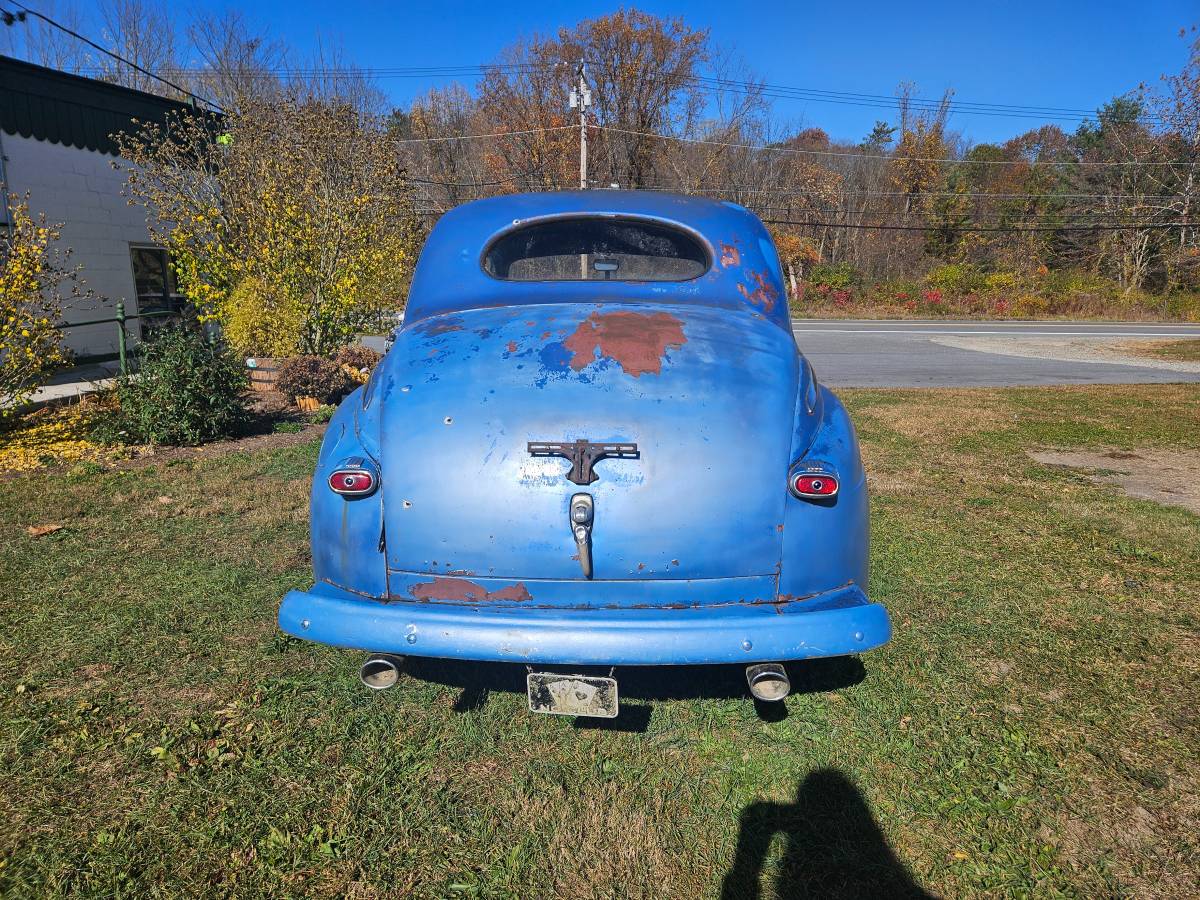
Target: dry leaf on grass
column 42, row 530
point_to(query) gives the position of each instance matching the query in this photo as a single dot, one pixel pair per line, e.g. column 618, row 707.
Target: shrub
column 1062, row 282
column 840, row 275
column 1000, row 281
column 956, row 278
column 359, row 358
column 1184, row 306
column 186, row 391
column 1030, row 306
column 33, row 281
column 313, row 376
column 301, row 231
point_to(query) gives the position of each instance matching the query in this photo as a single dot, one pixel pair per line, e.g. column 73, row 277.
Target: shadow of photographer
column 834, row 848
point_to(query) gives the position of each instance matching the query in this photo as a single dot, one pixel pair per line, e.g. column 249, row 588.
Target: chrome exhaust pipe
column 768, row 682
column 380, row 671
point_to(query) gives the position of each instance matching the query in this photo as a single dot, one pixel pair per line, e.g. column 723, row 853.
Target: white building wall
column 80, row 189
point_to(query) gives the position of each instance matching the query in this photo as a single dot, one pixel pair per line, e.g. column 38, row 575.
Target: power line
column 770, row 148
column 473, row 137
column 980, row 195
column 710, row 82
column 360, row 72
column 424, row 178
column 915, row 101
column 879, row 101
column 132, row 65
column 1073, row 224
column 975, row 228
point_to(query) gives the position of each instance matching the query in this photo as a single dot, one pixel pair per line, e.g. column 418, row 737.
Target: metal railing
column 120, row 319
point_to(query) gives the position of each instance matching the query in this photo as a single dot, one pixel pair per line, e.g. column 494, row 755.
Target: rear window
column 596, row 249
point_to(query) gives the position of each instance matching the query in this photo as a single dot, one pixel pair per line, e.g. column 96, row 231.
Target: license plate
column 572, row 695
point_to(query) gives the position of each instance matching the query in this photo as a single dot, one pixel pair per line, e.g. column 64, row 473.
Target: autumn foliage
column 34, row 280
column 300, row 224
column 289, row 221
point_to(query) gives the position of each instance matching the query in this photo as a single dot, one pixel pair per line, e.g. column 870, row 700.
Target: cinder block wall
column 80, row 189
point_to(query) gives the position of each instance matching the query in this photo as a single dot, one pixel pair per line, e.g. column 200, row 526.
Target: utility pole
column 581, row 97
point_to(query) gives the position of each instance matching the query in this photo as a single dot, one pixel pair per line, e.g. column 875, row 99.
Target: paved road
column 945, row 353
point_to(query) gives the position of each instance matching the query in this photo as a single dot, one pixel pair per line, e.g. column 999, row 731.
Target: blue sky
column 1050, row 53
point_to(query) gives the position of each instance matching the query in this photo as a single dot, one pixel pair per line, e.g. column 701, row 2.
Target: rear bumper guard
column 834, row 623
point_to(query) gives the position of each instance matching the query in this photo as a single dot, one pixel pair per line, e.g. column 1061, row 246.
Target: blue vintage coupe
column 593, row 443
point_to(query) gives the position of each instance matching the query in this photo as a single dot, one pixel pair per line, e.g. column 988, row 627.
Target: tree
column 880, row 137
column 1177, row 109
column 37, row 41
column 916, row 165
column 644, row 74
column 238, row 62
column 35, row 279
column 290, row 221
column 142, row 32
column 1118, row 162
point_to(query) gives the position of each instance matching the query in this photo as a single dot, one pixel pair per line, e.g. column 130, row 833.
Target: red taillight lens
column 352, row 482
column 814, row 485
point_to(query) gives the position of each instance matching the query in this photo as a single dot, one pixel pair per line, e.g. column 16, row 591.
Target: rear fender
column 347, row 532
column 825, row 543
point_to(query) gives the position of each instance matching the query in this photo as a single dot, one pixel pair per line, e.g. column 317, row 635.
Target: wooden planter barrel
column 263, row 373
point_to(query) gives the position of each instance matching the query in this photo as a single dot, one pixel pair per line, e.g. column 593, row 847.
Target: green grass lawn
column 1031, row 730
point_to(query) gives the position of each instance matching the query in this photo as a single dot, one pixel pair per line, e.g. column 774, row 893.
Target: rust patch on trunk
column 729, row 256
column 763, row 293
column 434, row 327
column 463, row 591
column 635, row 341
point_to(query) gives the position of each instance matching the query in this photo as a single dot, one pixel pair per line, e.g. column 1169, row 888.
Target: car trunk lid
column 707, row 395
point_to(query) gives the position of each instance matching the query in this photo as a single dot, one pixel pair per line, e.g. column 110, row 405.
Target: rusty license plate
column 572, row 695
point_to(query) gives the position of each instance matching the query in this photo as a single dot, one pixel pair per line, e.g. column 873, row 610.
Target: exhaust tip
column 768, row 682
column 380, row 672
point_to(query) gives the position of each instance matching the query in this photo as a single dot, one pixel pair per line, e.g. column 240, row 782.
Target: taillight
column 352, row 482
column 813, row 485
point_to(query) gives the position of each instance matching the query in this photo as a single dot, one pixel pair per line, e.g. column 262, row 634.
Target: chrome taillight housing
column 354, row 478
column 813, row 481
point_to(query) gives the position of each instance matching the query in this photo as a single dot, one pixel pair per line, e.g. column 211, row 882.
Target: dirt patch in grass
column 1180, row 351
column 1170, row 477
column 249, row 444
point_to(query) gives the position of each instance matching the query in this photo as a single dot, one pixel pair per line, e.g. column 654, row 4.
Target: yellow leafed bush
column 32, row 277
column 295, row 230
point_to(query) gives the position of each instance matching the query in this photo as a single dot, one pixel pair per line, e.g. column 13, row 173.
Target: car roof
column 745, row 273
